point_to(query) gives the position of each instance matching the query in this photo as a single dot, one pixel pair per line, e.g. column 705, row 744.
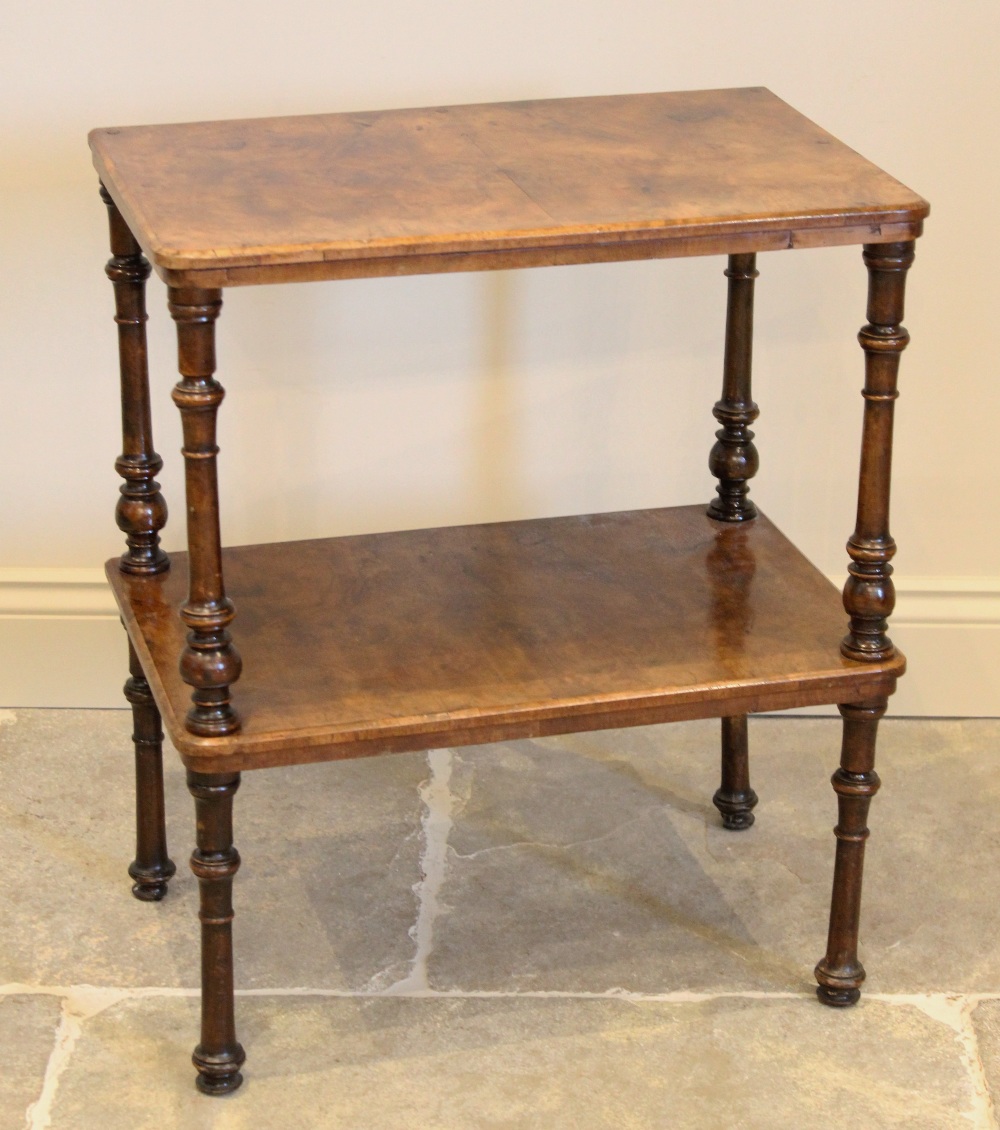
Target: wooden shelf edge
column 825, row 678
column 203, row 755
column 653, row 245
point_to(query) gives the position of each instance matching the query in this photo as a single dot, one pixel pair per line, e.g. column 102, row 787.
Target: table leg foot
column 152, row 867
column 838, row 998
column 840, row 974
column 215, row 861
column 734, row 799
column 735, row 819
column 149, row 887
column 217, row 1076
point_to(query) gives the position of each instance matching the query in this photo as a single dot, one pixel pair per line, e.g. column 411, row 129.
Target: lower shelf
column 360, row 645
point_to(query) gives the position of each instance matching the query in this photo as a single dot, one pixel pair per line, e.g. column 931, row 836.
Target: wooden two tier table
column 270, row 655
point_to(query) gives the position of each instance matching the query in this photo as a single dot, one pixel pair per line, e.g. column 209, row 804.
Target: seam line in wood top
column 504, row 173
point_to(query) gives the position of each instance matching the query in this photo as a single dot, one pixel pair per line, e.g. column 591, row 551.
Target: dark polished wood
column 152, row 867
column 410, row 640
column 732, row 567
column 219, row 1056
column 141, row 511
column 840, row 973
column 869, row 595
column 406, row 641
column 733, row 460
column 734, row 799
column 209, row 662
column 514, row 184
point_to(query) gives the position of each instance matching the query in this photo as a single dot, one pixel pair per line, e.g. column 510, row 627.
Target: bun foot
column 219, row 1076
column 839, row 986
column 736, row 809
column 218, row 1084
column 737, row 821
column 149, row 892
column 151, row 885
column 838, row 998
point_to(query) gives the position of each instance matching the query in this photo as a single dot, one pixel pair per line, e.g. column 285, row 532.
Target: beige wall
column 387, row 403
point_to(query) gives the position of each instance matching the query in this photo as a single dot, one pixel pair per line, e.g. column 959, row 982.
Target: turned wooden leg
column 215, row 861
column 141, row 512
column 869, row 595
column 735, row 800
column 209, row 663
column 733, row 459
column 152, row 867
column 840, row 974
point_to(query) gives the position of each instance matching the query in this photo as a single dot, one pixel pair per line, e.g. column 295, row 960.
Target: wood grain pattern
column 514, row 184
column 360, row 645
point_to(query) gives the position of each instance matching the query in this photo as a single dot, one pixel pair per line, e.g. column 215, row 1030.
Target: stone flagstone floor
column 552, row 933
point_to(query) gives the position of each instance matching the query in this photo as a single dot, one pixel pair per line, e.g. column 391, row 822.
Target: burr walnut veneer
column 260, row 656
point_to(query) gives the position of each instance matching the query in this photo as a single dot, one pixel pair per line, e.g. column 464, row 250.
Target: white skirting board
column 61, row 644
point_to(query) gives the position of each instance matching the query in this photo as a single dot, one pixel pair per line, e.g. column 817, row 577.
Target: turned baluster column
column 152, row 866
column 141, row 511
column 209, row 663
column 840, row 974
column 869, row 595
column 215, row 861
column 734, row 461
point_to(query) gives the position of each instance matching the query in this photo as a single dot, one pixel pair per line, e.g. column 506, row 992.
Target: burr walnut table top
column 397, row 641
column 515, row 184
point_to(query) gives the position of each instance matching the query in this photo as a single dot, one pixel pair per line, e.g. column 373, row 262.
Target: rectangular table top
column 505, row 185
